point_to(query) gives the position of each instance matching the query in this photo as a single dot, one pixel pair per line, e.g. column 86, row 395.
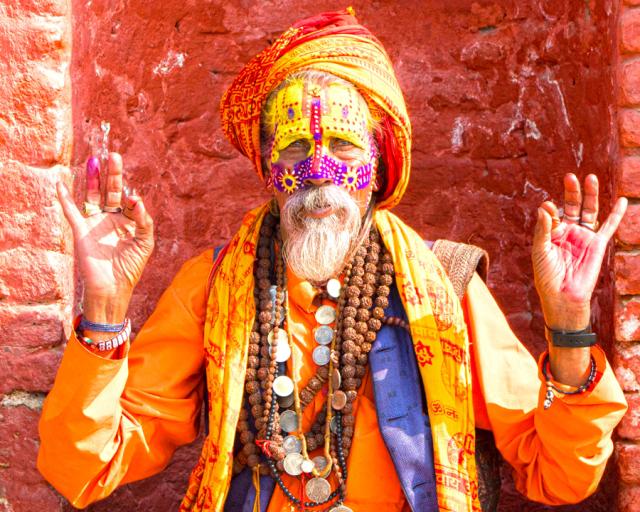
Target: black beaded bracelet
column 548, row 399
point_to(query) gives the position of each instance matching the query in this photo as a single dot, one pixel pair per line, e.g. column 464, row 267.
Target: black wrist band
column 573, row 339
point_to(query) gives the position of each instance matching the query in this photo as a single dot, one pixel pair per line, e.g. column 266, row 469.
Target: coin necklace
column 276, row 427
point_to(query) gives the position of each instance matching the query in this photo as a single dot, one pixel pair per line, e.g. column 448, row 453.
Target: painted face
column 321, row 133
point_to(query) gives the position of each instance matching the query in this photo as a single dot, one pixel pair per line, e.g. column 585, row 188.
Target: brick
column 629, row 427
column 33, row 326
column 629, row 230
column 34, row 276
column 628, row 498
column 628, row 458
column 630, row 83
column 31, row 214
column 627, row 273
column 629, row 124
column 626, row 365
column 21, row 484
column 629, row 182
column 627, row 319
column 26, row 369
column 35, row 89
column 630, row 31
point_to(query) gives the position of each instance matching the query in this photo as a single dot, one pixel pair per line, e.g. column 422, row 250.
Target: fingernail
column 93, row 167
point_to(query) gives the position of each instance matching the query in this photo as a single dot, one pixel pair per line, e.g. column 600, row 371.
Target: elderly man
column 339, row 368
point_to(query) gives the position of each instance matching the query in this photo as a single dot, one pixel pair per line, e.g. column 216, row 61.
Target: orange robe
column 111, row 421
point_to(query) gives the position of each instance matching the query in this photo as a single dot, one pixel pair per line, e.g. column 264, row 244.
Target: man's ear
column 268, row 177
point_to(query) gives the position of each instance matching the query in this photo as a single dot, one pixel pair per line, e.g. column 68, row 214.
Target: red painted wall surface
column 505, row 96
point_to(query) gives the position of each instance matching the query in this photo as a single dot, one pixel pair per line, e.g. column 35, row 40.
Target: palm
column 111, row 248
column 568, row 253
column 110, row 257
column 570, row 262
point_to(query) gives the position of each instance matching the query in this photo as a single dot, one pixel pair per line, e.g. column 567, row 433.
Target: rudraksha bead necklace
column 272, row 399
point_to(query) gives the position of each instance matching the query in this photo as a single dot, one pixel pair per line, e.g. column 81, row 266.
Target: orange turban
column 336, row 43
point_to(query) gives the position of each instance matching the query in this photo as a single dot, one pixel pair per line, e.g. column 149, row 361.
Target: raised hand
column 567, row 253
column 567, row 256
column 113, row 241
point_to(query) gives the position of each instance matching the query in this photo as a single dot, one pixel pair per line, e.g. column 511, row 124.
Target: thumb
column 70, row 210
column 542, row 230
column 136, row 211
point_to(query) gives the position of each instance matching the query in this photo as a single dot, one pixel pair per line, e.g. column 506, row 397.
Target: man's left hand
column 567, row 256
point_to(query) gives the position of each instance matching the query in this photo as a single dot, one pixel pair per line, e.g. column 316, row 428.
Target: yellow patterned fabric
column 440, row 341
column 337, row 44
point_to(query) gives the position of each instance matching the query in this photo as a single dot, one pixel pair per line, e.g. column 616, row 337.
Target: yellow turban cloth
column 337, row 44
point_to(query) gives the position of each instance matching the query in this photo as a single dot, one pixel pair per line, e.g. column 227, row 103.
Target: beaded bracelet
column 86, row 325
column 548, row 399
column 112, row 343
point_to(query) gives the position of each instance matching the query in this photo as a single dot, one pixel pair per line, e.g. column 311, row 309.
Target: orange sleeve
column 111, row 421
column 559, row 454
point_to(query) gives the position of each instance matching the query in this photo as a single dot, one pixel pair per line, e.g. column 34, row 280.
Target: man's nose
column 317, row 181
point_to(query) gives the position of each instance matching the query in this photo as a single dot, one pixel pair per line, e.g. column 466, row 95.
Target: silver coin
column 323, row 334
column 321, row 355
column 341, row 508
column 326, row 315
column 281, row 336
column 292, row 464
column 285, row 401
column 307, row 466
column 289, row 421
column 292, row 444
column 318, row 489
column 333, row 288
column 283, row 386
column 320, row 462
column 283, row 351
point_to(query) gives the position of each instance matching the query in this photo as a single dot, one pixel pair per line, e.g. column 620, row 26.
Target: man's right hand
column 111, row 248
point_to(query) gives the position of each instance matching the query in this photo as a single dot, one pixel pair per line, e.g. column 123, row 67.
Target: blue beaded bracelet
column 92, row 326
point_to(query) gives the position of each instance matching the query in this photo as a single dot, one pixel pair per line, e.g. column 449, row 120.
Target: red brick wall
column 506, row 96
column 35, row 260
column 627, row 259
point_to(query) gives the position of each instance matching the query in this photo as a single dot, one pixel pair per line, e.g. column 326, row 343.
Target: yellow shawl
column 439, row 337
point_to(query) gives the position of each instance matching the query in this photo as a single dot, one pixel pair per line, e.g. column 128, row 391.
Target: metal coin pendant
column 292, row 444
column 321, row 355
column 320, row 462
column 336, row 379
column 339, row 400
column 289, row 421
column 307, row 466
column 283, row 351
column 292, row 464
column 341, row 508
column 323, row 334
column 318, row 489
column 333, row 426
column 326, row 315
column 282, row 386
column 285, row 401
column 333, row 288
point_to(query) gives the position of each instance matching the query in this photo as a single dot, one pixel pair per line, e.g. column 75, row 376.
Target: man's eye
column 342, row 144
column 298, row 144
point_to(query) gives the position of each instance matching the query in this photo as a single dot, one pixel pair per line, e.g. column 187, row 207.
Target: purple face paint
column 290, row 180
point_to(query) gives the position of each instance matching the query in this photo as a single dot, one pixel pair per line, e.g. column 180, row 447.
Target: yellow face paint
column 344, row 116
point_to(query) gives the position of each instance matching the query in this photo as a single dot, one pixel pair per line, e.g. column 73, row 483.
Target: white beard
column 317, row 249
